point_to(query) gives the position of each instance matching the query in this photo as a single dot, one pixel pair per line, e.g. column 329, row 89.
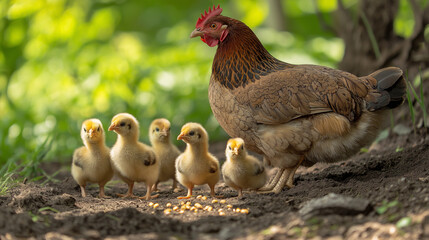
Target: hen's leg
column 273, row 181
column 289, row 182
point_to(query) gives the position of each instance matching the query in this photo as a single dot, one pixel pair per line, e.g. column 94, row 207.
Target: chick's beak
column 181, row 136
column 91, row 132
column 112, row 127
column 163, row 133
column 196, row 33
column 235, row 151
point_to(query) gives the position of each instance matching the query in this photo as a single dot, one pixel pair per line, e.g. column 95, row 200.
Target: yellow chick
column 196, row 166
column 91, row 163
column 132, row 160
column 240, row 170
column 159, row 134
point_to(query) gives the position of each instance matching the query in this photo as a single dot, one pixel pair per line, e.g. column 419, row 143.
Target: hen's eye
column 213, row 25
column 157, row 129
column 191, row 133
column 122, row 124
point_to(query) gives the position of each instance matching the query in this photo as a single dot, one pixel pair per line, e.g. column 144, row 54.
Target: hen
column 291, row 114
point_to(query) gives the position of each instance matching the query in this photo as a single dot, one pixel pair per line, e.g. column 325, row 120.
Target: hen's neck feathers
column 241, row 58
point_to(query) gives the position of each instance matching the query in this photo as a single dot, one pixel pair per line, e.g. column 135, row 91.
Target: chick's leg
column 190, row 187
column 175, row 187
column 149, row 187
column 212, row 192
column 82, row 190
column 101, row 194
column 130, row 191
column 155, row 187
column 240, row 193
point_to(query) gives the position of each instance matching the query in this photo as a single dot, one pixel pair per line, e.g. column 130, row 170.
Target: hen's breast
column 233, row 116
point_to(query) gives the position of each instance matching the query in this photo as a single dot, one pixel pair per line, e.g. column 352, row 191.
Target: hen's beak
column 113, row 127
column 196, row 33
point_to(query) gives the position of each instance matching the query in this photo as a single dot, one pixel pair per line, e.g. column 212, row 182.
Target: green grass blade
column 411, row 107
column 371, row 35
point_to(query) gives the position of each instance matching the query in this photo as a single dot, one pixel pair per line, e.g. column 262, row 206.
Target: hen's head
column 211, row 27
column 92, row 131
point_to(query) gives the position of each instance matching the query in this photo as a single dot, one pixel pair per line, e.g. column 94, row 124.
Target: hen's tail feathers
column 390, row 91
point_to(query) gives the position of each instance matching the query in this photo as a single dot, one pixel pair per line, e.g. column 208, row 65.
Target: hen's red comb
column 207, row 15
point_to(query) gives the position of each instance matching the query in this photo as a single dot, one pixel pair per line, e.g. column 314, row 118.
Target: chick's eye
column 98, row 129
column 84, row 129
column 191, row 133
column 229, row 147
column 213, row 26
column 157, row 129
column 122, row 124
column 242, row 147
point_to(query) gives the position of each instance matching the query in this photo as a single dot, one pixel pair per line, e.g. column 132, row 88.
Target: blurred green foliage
column 63, row 61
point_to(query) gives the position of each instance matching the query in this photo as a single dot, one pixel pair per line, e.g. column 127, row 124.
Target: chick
column 91, row 163
column 196, row 166
column 159, row 134
column 240, row 170
column 132, row 160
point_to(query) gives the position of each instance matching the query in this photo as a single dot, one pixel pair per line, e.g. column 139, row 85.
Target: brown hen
column 292, row 114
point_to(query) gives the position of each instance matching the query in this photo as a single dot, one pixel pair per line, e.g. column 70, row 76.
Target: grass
column 419, row 98
column 26, row 169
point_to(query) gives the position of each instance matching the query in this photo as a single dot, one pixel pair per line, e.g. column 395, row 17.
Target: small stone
column 335, row 204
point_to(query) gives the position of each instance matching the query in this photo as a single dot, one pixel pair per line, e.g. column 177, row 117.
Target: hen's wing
column 303, row 90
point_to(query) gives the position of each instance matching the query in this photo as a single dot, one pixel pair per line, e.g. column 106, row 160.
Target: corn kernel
column 215, row 201
column 209, row 208
column 188, row 203
column 150, row 204
column 197, row 205
column 245, row 211
column 229, row 206
column 167, row 211
column 168, row 205
column 156, row 205
column 221, row 213
column 220, row 210
column 193, row 208
column 175, row 208
column 199, row 196
column 181, row 211
column 204, row 198
column 237, row 210
column 223, row 201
